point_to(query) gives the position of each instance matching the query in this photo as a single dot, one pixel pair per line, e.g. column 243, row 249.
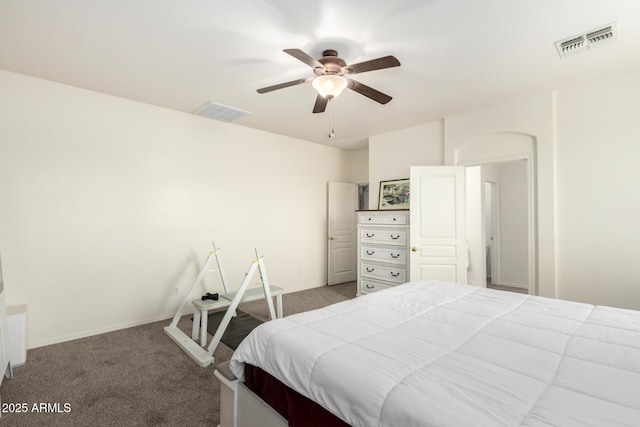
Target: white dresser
column 383, row 245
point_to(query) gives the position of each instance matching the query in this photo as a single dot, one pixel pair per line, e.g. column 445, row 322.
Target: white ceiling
column 456, row 55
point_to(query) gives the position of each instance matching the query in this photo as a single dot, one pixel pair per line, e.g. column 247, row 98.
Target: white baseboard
column 98, row 331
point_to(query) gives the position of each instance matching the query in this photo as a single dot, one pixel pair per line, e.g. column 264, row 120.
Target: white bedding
column 442, row 354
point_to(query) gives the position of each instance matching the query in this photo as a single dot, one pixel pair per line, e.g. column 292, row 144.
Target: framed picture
column 394, row 194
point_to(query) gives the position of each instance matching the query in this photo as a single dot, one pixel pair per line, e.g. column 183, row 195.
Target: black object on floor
column 238, row 328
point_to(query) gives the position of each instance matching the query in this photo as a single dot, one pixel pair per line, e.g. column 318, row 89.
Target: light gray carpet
column 135, row 376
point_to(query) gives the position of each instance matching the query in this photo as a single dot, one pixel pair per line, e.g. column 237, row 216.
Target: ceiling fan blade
column 304, row 57
column 283, row 85
column 374, row 64
column 320, row 105
column 369, row 92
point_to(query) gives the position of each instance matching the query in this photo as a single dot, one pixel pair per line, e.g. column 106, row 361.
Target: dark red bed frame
column 296, row 408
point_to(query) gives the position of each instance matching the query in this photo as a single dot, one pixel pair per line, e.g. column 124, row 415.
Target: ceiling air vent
column 589, row 40
column 221, row 112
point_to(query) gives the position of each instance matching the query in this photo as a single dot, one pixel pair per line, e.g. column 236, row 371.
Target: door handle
column 332, row 238
column 414, row 249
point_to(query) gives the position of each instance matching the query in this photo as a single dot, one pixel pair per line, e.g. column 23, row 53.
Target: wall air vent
column 220, row 112
column 589, row 40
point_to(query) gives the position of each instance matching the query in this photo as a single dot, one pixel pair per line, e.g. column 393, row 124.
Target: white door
column 437, row 224
column 343, row 202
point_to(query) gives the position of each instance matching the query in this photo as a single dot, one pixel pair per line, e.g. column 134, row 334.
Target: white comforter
column 441, row 354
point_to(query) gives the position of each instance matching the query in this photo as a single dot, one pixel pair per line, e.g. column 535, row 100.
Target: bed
column 441, row 354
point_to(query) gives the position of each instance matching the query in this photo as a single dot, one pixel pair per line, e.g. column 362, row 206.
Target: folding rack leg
column 267, row 290
column 187, row 298
column 232, row 308
column 223, row 277
column 196, row 325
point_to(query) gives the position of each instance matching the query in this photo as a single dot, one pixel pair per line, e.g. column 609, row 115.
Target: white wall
column 358, row 165
column 599, row 192
column 106, row 204
column 392, row 154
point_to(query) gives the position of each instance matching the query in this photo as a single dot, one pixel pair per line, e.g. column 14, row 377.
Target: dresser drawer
column 382, row 236
column 367, row 286
column 390, row 274
column 388, row 255
column 401, row 218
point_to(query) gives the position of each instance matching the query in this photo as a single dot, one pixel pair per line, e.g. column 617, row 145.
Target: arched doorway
column 496, row 149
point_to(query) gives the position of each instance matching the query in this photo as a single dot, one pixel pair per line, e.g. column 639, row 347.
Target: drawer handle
column 394, row 219
column 369, row 269
column 370, row 234
column 395, row 274
column 369, row 286
column 395, row 256
column 396, row 237
column 371, row 252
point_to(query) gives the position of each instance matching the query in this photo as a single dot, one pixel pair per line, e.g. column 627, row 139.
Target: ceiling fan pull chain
column 332, row 133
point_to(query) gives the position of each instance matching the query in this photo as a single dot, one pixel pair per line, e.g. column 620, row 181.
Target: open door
column 341, row 229
column 437, row 223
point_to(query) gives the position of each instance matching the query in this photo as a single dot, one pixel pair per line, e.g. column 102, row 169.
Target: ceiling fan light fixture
column 329, row 81
column 329, row 86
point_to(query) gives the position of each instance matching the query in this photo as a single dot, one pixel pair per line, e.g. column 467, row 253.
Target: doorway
column 503, row 207
column 497, row 226
column 363, row 196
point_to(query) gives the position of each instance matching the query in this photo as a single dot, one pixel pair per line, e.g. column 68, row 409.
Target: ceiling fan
column 329, row 76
